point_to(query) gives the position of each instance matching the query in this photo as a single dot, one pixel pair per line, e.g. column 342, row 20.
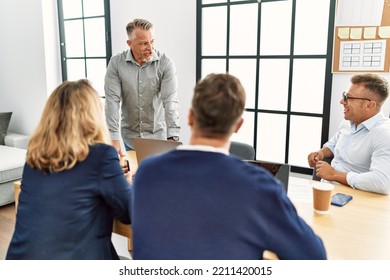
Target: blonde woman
column 73, row 185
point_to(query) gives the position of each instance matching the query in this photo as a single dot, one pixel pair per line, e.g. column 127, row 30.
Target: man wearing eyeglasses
column 361, row 147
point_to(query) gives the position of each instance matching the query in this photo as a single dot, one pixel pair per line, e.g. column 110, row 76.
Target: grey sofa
column 12, row 159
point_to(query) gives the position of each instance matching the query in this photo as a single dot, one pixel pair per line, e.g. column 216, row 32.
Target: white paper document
column 362, row 55
column 359, row 12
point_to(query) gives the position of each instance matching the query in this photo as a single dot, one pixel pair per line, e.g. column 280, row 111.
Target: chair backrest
column 280, row 171
column 242, row 150
column 315, row 177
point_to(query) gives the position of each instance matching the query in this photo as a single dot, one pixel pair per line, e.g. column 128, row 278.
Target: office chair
column 242, row 150
column 315, row 177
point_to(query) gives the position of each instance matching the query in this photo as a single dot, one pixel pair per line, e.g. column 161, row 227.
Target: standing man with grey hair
column 143, row 82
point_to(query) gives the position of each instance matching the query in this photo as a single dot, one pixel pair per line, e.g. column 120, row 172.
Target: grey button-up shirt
column 147, row 95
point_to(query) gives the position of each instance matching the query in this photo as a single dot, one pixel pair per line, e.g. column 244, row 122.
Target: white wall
column 175, row 34
column 51, row 44
column 22, row 68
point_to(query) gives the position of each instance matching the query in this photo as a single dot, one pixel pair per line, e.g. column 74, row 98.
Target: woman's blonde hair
column 71, row 121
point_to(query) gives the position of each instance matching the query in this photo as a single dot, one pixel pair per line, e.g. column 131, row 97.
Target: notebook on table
column 280, row 171
column 148, row 147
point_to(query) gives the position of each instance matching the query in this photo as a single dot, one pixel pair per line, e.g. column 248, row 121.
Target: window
column 85, row 40
column 281, row 50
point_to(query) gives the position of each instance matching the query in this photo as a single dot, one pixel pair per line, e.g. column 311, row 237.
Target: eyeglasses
column 345, row 97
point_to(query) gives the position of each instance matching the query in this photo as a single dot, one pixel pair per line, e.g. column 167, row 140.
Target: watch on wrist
column 174, row 138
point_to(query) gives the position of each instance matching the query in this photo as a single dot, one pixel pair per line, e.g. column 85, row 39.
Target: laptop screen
column 280, row 171
column 148, row 147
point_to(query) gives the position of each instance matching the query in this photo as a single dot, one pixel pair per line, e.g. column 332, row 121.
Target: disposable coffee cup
column 322, row 194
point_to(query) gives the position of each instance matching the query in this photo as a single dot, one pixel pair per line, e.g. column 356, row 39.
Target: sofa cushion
column 4, row 123
column 11, row 163
column 16, row 140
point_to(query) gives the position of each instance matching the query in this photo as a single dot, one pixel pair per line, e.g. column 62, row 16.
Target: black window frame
column 291, row 56
column 61, row 22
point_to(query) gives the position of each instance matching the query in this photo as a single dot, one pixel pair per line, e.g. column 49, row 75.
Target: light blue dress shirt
column 363, row 152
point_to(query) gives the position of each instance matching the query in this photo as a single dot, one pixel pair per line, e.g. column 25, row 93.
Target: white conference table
column 360, row 230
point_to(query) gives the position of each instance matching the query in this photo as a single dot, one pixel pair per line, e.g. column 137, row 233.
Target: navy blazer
column 69, row 214
column 190, row 204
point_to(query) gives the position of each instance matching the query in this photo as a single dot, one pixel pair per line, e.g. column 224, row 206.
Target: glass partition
column 279, row 51
column 311, row 28
column 243, row 29
column 245, row 70
column 275, row 28
column 214, row 31
column 308, row 86
column 84, row 27
column 273, row 84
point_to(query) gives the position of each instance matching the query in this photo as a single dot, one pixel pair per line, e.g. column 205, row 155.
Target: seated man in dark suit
column 199, row 202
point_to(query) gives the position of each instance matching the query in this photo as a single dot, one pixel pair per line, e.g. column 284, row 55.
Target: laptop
column 148, row 147
column 280, row 171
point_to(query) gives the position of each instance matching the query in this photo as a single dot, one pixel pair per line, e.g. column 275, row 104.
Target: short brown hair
column 373, row 82
column 218, row 104
column 138, row 23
